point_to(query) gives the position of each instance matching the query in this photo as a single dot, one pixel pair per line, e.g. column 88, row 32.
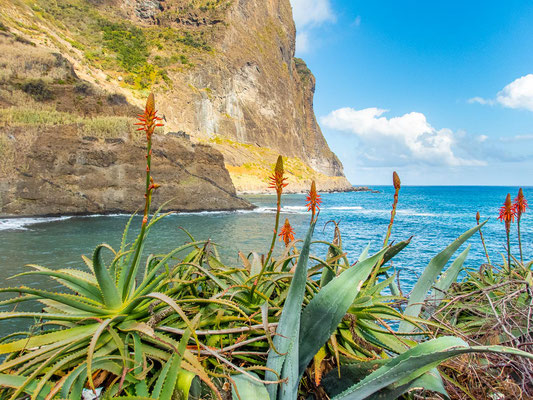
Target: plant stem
column 269, row 255
column 484, row 246
column 374, row 274
column 392, row 215
column 519, row 239
column 276, row 226
column 508, row 249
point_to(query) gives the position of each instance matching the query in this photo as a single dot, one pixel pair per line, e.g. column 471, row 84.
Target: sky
column 441, row 92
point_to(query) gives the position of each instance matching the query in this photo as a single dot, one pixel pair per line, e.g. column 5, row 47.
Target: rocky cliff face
column 71, row 148
column 225, row 77
column 253, row 91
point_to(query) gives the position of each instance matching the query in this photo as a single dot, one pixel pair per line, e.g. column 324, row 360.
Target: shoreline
column 126, row 213
column 347, row 190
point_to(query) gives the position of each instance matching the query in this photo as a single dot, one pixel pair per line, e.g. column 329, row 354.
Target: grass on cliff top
column 102, row 127
column 142, row 55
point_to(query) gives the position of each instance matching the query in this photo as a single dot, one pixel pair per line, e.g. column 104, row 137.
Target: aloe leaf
column 72, row 282
column 446, row 280
column 416, row 362
column 48, row 338
column 431, row 381
column 147, row 285
column 256, row 265
column 39, row 315
column 286, row 339
column 333, row 251
column 92, row 346
column 125, row 233
column 79, row 302
column 170, row 383
column 245, row 388
column 141, row 387
column 185, row 381
column 110, row 293
column 393, row 250
column 429, row 276
column 325, row 311
column 15, row 382
column 162, row 377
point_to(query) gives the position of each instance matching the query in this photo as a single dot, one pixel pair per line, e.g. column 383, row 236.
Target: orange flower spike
column 277, row 181
column 520, row 204
column 507, row 212
column 314, row 200
column 287, row 233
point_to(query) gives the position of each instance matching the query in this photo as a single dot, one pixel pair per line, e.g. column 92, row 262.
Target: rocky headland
column 75, row 73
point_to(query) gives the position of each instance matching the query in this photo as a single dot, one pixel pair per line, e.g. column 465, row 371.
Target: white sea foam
column 22, row 224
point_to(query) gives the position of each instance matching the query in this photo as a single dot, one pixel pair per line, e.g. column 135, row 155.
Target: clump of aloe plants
column 186, row 325
column 492, row 304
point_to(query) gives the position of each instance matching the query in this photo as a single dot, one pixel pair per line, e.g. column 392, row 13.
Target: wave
column 22, row 224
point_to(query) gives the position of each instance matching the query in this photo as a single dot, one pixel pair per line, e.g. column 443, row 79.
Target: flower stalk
column 519, row 207
column 507, row 215
column 397, row 184
column 148, row 121
column 478, row 217
column 277, row 182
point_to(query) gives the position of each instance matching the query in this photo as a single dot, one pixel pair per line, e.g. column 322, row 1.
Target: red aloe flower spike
column 520, row 204
column 507, row 215
column 519, row 207
column 287, row 233
column 314, row 201
column 277, row 181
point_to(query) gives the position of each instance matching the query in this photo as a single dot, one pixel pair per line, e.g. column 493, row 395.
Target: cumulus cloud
column 518, row 94
column 403, row 140
column 309, row 14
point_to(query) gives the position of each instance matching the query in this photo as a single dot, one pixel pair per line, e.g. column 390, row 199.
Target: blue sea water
column 434, row 216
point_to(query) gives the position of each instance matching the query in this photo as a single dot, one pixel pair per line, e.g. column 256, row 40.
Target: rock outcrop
column 66, row 174
column 226, row 80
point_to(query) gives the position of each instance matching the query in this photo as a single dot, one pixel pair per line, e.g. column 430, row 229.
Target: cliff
column 223, row 71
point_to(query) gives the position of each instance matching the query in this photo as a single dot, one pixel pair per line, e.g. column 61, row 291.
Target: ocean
column 433, row 215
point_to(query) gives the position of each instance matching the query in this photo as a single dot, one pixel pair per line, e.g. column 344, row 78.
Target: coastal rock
column 65, row 174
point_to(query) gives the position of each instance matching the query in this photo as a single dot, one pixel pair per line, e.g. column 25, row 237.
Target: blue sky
column 441, row 92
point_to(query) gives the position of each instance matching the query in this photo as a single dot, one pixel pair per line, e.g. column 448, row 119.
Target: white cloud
column 408, row 139
column 309, row 14
column 357, row 21
column 517, row 138
column 303, row 43
column 480, row 100
column 518, row 94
